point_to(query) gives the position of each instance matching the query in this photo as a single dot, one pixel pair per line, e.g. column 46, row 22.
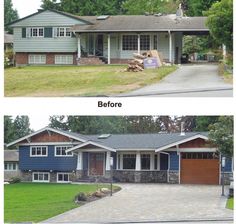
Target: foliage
column 8, row 58
column 51, row 4
column 80, row 197
column 15, row 180
column 220, row 22
column 16, row 128
column 34, row 202
column 78, row 81
column 221, row 135
column 10, row 14
column 203, row 123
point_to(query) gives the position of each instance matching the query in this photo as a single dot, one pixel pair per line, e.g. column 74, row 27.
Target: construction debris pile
column 149, row 59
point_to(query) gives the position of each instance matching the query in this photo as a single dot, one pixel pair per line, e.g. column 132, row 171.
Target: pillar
column 138, row 43
column 79, row 161
column 138, row 161
column 224, row 52
column 108, row 161
column 109, row 49
column 170, row 47
column 79, row 47
column 152, row 161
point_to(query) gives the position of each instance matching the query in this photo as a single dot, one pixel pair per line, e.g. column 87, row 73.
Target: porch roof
column 11, row 155
column 142, row 23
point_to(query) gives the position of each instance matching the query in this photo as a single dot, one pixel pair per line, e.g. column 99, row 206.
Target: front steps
column 91, row 60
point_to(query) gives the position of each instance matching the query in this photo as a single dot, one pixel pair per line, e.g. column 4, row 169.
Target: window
column 144, row 42
column 61, row 151
column 145, row 161
column 155, row 42
column 130, row 42
column 37, row 59
column 40, row 177
column 199, row 155
column 63, row 177
column 36, row 32
column 155, row 162
column 129, row 161
column 10, row 166
column 38, row 151
column 64, row 59
column 63, row 32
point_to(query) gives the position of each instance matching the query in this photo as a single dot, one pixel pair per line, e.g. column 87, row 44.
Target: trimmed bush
column 80, row 197
column 15, row 180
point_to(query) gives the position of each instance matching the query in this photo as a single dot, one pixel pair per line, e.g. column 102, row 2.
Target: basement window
column 64, row 59
column 129, row 161
column 37, row 59
column 63, row 178
column 40, row 177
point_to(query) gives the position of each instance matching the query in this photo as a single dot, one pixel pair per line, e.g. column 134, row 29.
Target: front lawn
column 78, row 81
column 34, row 202
column 230, row 203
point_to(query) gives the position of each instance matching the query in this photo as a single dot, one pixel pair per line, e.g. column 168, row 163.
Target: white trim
column 55, row 151
column 64, row 30
column 138, row 43
column 41, row 181
column 108, row 160
column 108, row 49
column 63, row 177
column 36, row 146
column 49, row 143
column 79, row 46
column 79, row 161
column 135, row 150
column 91, row 143
column 42, row 130
column 181, row 141
column 192, row 150
column 31, row 32
column 8, row 163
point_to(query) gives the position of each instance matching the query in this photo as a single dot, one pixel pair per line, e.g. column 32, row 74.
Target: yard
column 78, row 81
column 34, row 202
column 230, row 203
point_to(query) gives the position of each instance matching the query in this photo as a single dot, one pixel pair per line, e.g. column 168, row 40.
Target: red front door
column 96, row 164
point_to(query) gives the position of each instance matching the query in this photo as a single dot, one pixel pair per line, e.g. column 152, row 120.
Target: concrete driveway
column 153, row 203
column 195, row 79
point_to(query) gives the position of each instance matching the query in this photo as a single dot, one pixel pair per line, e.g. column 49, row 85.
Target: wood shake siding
column 196, row 143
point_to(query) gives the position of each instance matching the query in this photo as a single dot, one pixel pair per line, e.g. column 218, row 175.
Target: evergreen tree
column 10, row 15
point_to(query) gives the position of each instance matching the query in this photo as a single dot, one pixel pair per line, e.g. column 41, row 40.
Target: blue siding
column 163, row 161
column 228, row 165
column 45, row 163
column 174, row 161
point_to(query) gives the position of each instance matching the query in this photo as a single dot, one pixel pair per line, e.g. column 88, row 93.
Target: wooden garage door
column 199, row 171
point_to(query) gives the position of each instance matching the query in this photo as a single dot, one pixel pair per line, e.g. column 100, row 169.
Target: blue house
column 51, row 155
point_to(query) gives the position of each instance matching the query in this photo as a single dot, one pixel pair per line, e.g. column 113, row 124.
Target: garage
column 199, row 168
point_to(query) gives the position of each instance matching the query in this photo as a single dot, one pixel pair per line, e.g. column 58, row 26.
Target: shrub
column 80, row 197
column 8, row 58
column 15, row 180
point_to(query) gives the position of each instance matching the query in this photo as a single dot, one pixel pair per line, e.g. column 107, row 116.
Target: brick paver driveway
column 152, row 202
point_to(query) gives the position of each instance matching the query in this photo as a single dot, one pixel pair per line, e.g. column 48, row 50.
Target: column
column 138, row 43
column 152, row 161
column 138, row 161
column 224, row 52
column 170, row 47
column 79, row 161
column 158, row 161
column 79, row 47
column 108, row 161
column 109, row 49
column 121, row 161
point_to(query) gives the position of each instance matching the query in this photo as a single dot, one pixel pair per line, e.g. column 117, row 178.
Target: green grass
column 78, row 81
column 34, row 202
column 230, row 203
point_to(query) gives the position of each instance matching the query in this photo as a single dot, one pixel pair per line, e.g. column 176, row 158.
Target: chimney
column 182, row 133
column 179, row 12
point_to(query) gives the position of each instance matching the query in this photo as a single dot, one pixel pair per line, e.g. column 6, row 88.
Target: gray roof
column 143, row 23
column 138, row 141
column 11, row 155
column 8, row 38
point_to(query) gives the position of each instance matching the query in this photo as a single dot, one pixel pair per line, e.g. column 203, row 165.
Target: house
column 54, row 37
column 51, row 155
column 11, row 164
column 8, row 41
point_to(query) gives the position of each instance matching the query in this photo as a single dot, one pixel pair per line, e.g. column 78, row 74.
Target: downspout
column 166, row 153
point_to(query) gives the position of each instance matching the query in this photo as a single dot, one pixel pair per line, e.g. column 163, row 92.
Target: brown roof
column 8, row 38
column 11, row 155
column 141, row 23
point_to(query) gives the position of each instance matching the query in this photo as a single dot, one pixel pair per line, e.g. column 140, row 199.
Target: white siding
column 48, row 18
column 55, row 44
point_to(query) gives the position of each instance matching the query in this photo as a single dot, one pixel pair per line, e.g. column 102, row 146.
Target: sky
column 26, row 7
column 38, row 121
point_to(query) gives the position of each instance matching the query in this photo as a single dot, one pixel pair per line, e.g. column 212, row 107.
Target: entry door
column 96, row 164
column 99, row 45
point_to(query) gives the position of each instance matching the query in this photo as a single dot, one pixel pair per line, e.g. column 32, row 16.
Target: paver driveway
column 152, row 202
column 188, row 78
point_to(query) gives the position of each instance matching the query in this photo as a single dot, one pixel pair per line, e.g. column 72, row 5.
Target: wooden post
column 79, row 47
column 109, row 49
column 138, row 43
column 170, row 46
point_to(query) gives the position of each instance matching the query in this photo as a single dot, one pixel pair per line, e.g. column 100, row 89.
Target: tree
column 10, row 14
column 221, row 135
column 51, row 4
column 8, row 129
column 203, row 123
column 220, row 22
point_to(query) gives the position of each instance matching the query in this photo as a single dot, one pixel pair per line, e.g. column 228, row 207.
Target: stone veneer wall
column 173, row 177
column 140, row 176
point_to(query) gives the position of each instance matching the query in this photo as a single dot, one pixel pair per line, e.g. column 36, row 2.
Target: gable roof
column 138, row 23
column 11, row 155
column 51, row 10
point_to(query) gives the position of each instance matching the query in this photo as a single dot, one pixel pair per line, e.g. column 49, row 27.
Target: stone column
column 170, row 47
column 138, row 161
column 109, row 49
column 138, row 43
column 108, row 161
column 79, row 161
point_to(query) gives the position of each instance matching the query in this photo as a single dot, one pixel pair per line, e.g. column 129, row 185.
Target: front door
column 99, row 45
column 96, row 164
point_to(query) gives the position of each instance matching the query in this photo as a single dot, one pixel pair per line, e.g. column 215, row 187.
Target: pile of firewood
column 137, row 64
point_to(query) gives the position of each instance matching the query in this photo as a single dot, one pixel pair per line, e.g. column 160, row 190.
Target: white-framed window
column 41, row 177
column 64, row 59
column 61, row 151
column 37, row 32
column 129, row 161
column 63, row 32
column 144, row 42
column 145, row 161
column 38, row 151
column 37, row 59
column 130, row 42
column 63, row 177
column 10, row 166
